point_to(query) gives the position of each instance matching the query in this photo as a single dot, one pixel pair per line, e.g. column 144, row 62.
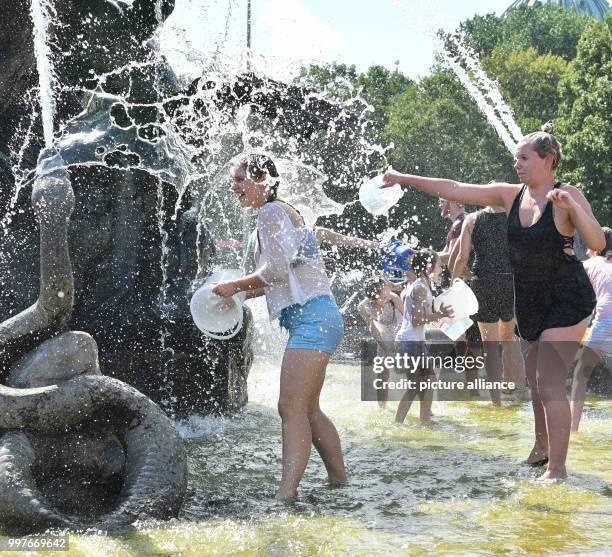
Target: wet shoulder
column 290, row 212
column 572, row 190
column 273, row 215
column 470, row 218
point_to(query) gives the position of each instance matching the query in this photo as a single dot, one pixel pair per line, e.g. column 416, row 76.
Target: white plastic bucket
column 378, row 201
column 463, row 302
column 217, row 317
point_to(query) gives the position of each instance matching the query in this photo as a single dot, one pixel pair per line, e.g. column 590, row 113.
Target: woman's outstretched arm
column 497, row 194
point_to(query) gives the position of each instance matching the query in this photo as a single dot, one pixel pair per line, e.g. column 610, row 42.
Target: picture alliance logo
column 406, row 384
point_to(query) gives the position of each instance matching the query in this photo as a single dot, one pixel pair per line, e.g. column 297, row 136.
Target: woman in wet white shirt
column 291, row 274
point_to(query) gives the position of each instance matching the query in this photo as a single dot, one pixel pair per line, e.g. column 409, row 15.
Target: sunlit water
column 453, row 487
column 465, row 64
column 40, row 12
column 450, row 488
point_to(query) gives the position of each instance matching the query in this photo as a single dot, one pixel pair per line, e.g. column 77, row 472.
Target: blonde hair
column 544, row 143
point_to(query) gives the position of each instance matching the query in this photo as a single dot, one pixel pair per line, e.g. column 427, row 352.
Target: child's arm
column 422, row 312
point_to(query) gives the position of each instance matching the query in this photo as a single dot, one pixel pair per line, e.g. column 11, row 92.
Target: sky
column 288, row 33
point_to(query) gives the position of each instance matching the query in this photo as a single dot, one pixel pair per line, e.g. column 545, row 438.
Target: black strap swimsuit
column 551, row 288
column 492, row 283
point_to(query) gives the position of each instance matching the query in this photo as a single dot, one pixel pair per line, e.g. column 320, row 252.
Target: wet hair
column 607, row 251
column 257, row 165
column 545, row 143
column 372, row 287
column 422, row 259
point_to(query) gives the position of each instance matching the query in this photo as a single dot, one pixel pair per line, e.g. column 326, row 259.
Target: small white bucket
column 463, row 302
column 378, row 201
column 217, row 317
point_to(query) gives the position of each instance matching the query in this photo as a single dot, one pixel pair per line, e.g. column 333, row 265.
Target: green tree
column 586, row 127
column 336, row 80
column 437, row 130
column 379, row 87
column 546, row 28
column 529, row 83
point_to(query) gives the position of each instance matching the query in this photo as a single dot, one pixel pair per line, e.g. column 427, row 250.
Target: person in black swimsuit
column 553, row 296
column 486, row 233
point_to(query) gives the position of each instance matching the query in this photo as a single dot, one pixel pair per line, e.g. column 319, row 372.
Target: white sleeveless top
column 387, row 320
column 288, row 260
column 407, row 331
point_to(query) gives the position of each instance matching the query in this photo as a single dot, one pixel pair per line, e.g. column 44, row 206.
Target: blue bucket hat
column 394, row 257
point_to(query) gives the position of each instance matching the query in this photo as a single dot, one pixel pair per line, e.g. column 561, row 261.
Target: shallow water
column 453, row 487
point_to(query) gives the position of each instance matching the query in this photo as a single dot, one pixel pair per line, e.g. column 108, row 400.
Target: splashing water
column 183, row 137
column 489, row 87
column 484, row 91
column 107, row 134
column 41, row 12
column 121, row 4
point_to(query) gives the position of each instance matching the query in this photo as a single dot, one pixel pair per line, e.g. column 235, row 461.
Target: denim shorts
column 412, row 350
column 317, row 325
column 600, row 336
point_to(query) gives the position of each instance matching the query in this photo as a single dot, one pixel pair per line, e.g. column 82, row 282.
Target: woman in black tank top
column 552, row 287
column 553, row 296
column 485, row 233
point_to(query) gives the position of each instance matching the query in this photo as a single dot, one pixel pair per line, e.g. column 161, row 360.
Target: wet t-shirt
column 288, row 260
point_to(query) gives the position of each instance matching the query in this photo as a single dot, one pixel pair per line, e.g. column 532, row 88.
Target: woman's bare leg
column 471, row 375
column 512, row 357
column 425, row 412
column 426, row 396
column 540, row 447
column 326, row 440
column 302, row 376
column 587, row 361
column 557, row 348
column 493, row 360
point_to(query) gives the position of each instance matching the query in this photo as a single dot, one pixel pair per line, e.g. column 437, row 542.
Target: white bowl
column 378, row 201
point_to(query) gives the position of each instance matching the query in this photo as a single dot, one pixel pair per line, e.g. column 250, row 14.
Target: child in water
column 382, row 310
column 410, row 338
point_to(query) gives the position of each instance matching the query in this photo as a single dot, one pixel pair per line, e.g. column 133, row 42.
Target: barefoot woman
column 291, row 274
column 553, row 296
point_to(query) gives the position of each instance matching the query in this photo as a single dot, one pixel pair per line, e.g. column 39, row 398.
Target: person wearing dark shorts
column 553, row 294
column 485, row 234
column 552, row 288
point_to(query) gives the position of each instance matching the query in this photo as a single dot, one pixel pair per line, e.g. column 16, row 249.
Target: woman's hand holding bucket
column 225, row 289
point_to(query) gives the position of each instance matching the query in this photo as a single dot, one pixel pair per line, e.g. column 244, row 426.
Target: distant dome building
column 595, row 8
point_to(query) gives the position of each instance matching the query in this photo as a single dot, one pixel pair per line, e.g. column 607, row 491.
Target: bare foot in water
column 287, row 498
column 335, row 484
column 553, row 476
column 538, row 456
